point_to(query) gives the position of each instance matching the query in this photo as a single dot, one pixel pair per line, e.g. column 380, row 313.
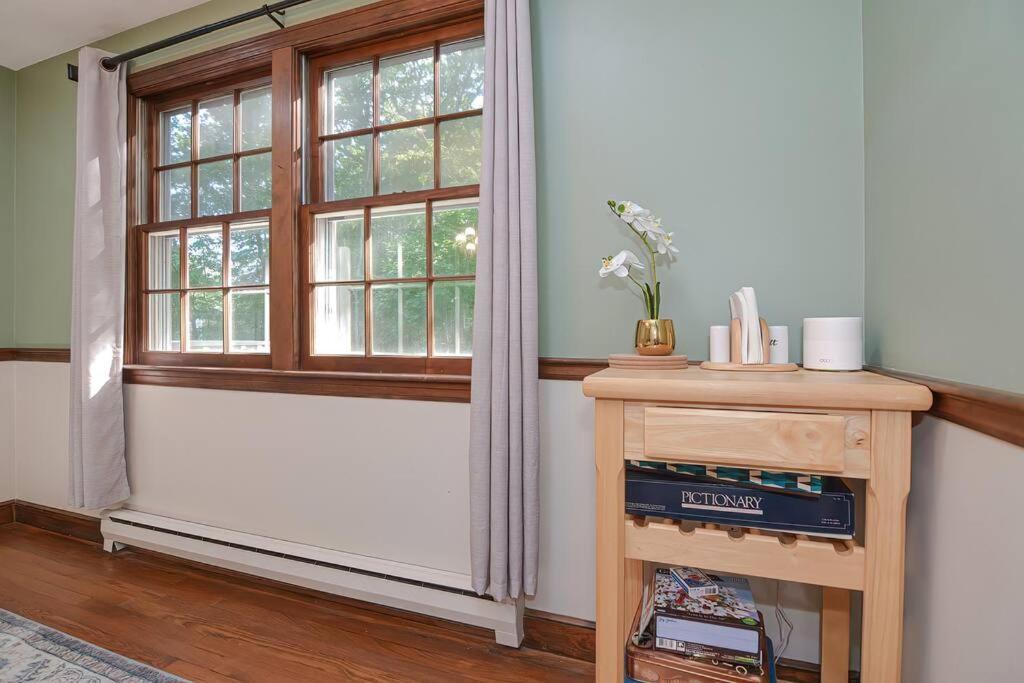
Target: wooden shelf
column 821, row 561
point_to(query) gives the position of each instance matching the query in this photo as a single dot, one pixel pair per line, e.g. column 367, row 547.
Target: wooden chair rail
column 996, row 413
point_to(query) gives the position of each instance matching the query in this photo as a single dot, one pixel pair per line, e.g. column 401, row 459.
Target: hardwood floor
column 206, row 626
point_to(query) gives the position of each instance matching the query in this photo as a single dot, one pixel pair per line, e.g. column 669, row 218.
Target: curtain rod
column 111, row 63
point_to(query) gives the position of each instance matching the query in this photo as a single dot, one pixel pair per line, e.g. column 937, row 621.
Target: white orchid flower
column 619, row 264
column 663, row 242
column 631, row 212
column 639, row 218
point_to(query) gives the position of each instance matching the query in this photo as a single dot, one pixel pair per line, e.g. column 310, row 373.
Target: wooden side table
column 853, row 425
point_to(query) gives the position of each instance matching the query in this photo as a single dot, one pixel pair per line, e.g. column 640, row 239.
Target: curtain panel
column 97, row 459
column 504, row 438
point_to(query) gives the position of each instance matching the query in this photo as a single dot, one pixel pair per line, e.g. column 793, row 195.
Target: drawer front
column 770, row 440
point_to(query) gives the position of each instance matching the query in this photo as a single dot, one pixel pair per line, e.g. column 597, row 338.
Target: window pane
column 254, row 179
column 176, row 136
column 250, row 254
column 460, row 151
column 215, row 188
column 348, row 168
column 399, row 319
column 206, row 322
column 407, row 87
column 462, row 76
column 216, row 119
column 175, row 193
column 338, row 320
column 453, row 318
column 398, row 238
column 164, row 322
column 349, row 104
column 205, row 257
column 254, row 118
column 250, row 321
column 338, row 248
column 164, row 260
column 407, row 159
column 453, row 237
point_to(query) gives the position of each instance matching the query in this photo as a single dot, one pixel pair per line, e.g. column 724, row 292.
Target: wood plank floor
column 205, row 626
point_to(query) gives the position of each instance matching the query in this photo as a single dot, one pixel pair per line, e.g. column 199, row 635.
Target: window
column 213, row 155
column 372, row 229
column 205, row 259
column 212, row 281
column 392, row 241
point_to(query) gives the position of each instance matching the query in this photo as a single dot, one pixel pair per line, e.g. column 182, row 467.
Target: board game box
column 679, row 497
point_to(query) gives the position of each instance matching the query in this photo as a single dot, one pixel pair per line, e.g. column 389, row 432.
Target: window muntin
column 213, row 155
column 401, row 122
column 391, row 282
column 395, row 280
column 212, row 281
column 205, row 316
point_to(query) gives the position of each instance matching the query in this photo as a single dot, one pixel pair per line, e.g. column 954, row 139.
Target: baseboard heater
column 434, row 592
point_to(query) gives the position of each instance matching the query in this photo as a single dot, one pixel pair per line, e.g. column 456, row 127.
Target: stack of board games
column 774, row 501
column 694, row 626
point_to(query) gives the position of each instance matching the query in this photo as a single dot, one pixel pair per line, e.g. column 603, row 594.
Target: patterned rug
column 32, row 652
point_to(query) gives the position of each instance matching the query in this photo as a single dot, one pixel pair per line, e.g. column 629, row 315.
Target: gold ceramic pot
column 655, row 337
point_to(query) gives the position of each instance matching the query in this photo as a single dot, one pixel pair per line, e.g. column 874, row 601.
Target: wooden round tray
column 634, row 361
column 740, row 367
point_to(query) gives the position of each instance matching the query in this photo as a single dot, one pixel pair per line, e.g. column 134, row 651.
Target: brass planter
column 655, row 337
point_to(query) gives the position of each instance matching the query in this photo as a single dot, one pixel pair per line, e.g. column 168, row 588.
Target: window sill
column 447, row 388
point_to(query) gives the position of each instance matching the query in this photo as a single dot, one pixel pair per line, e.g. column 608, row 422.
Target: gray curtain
column 504, row 439
column 97, row 461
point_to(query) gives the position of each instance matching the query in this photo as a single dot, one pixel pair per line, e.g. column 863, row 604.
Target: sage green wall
column 46, row 159
column 7, row 133
column 944, row 111
column 739, row 122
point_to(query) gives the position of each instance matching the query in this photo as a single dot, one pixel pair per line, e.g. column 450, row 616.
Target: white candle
column 778, row 346
column 719, row 351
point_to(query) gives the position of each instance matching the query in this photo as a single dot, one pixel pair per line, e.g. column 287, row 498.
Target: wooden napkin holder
column 735, row 363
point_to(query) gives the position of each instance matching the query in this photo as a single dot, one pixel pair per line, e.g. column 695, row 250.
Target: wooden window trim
column 348, row 29
column 431, row 40
column 148, row 357
column 376, row 27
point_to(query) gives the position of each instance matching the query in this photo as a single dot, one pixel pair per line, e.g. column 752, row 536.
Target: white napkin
column 743, row 306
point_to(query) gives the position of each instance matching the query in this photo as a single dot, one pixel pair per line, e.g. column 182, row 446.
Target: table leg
column 610, row 560
column 835, row 635
column 887, row 491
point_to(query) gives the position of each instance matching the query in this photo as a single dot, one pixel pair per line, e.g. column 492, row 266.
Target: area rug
column 32, row 652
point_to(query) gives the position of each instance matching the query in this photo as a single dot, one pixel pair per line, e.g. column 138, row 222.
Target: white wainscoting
column 381, row 478
column 965, row 551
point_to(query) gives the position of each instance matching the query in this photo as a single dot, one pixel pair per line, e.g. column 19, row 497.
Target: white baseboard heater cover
column 433, row 592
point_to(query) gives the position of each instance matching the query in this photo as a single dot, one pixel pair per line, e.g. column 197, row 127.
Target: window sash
column 148, row 203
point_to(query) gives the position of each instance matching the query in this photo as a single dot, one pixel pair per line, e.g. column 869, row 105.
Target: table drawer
column 769, row 440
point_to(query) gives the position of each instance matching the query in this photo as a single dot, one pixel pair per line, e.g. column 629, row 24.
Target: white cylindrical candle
column 778, row 346
column 719, row 351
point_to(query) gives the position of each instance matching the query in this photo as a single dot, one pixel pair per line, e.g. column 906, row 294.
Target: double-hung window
column 391, row 240
column 205, row 259
column 374, row 241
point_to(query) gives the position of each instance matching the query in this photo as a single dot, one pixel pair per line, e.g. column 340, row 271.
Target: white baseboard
column 319, row 569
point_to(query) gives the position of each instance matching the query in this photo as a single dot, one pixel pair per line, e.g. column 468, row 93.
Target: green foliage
column 460, row 151
column 462, row 77
column 407, row 87
column 407, row 159
column 215, row 180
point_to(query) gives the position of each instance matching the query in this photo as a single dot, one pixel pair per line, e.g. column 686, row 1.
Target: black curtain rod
column 111, row 63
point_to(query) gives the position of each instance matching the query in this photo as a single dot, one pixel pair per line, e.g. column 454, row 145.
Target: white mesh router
column 833, row 343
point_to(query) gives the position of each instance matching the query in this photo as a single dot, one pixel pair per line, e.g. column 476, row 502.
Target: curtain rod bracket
column 270, row 15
